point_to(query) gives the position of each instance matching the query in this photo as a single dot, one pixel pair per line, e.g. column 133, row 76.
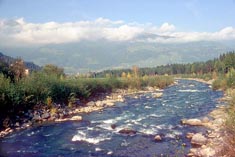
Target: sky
column 60, row 21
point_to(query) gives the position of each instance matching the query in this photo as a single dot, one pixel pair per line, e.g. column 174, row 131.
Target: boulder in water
column 157, row 95
column 76, row 118
column 127, row 131
column 158, row 138
column 194, row 122
column 113, row 126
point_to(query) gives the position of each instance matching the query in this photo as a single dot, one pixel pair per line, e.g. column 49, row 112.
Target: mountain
column 87, row 56
column 9, row 60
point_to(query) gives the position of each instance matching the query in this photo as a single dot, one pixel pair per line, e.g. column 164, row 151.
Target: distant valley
column 100, row 55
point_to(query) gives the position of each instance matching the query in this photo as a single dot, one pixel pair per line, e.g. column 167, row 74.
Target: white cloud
column 19, row 31
column 166, row 27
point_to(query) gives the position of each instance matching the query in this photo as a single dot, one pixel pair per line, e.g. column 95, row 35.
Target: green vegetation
column 229, row 128
column 217, row 66
column 20, row 91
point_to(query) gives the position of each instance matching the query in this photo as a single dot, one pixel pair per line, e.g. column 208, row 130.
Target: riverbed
column 144, row 113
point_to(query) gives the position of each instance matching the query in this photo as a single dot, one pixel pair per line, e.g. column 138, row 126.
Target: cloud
column 20, row 32
column 166, row 27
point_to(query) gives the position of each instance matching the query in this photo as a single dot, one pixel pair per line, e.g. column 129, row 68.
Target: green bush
column 229, row 138
column 40, row 87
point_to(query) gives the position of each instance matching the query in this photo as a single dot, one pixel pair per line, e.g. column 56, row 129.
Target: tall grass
column 225, row 81
column 228, row 149
column 41, row 87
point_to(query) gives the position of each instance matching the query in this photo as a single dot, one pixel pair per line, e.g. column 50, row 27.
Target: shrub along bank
column 46, row 89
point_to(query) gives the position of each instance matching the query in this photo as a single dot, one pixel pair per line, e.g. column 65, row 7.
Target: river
column 94, row 137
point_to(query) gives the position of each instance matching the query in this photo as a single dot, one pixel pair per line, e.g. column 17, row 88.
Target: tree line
column 222, row 64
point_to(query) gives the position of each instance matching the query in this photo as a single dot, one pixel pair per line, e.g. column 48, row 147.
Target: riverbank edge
column 94, row 104
column 209, row 144
column 214, row 123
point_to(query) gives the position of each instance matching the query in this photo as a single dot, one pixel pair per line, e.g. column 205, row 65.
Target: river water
column 147, row 115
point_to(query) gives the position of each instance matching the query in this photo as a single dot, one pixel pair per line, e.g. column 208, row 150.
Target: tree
column 4, row 68
column 53, row 69
column 18, row 69
column 135, row 70
column 123, row 75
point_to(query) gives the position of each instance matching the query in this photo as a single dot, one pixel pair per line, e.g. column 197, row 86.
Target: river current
column 94, row 137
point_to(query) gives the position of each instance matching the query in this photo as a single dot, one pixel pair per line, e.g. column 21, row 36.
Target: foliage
column 44, row 88
column 53, row 69
column 229, row 138
column 225, row 81
column 221, row 65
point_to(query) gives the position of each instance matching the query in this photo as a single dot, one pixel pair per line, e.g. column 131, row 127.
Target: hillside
column 87, row 56
column 9, row 60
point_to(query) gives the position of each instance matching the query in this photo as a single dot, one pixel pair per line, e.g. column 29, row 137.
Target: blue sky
column 40, row 22
column 186, row 15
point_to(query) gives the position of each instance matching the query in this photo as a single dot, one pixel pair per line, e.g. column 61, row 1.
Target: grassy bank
column 46, row 89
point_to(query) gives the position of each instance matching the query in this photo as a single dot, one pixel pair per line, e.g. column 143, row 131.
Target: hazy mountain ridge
column 9, row 60
column 99, row 55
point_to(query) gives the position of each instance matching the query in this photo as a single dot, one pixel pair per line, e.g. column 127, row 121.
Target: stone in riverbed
column 91, row 103
column 37, row 117
column 99, row 104
column 127, row 131
column 17, row 124
column 205, row 120
column 198, row 139
column 195, row 122
column 189, row 135
column 157, row 95
column 46, row 115
column 157, row 138
column 113, row 126
column 76, row 118
column 28, row 124
column 203, row 151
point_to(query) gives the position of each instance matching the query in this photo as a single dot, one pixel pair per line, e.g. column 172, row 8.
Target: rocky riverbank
column 60, row 113
column 207, row 144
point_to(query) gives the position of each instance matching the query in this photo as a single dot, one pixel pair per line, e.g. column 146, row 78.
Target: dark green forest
column 221, row 65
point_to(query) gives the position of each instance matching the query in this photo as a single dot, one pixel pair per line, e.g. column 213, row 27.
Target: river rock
column 193, row 122
column 7, row 122
column 37, row 117
column 207, row 152
column 76, row 118
column 113, row 126
column 17, row 124
column 157, row 95
column 61, row 115
column 158, row 138
column 198, row 139
column 120, row 98
column 189, row 135
column 46, row 115
column 99, row 104
column 202, row 152
column 28, row 124
column 205, row 120
column 91, row 103
column 127, row 131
